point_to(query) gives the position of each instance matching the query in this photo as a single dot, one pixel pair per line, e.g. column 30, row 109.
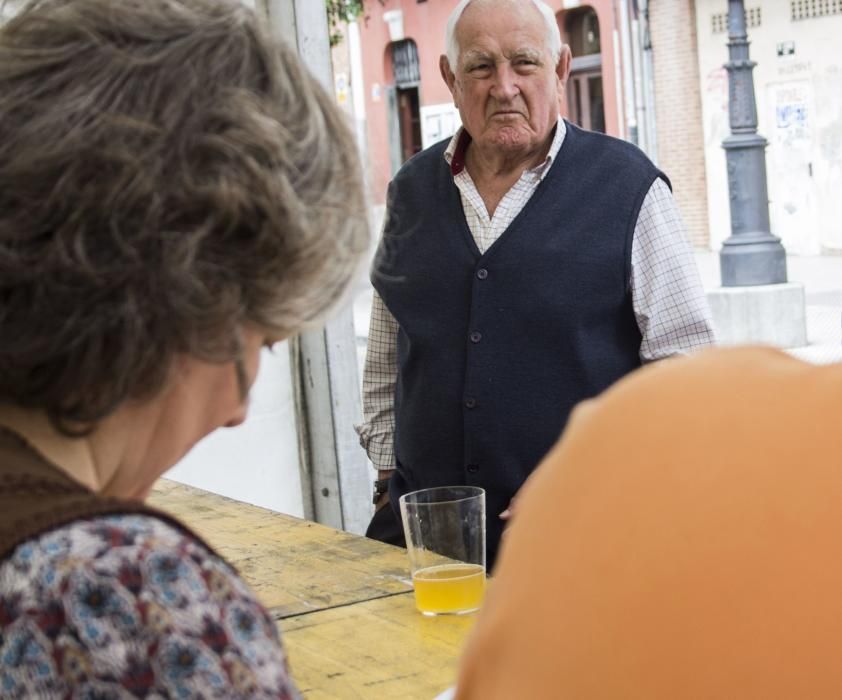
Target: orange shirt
column 683, row 540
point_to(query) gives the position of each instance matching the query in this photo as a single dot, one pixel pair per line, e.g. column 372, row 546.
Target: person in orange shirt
column 682, row 540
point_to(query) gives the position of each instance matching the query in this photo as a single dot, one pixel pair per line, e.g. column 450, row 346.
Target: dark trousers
column 386, row 525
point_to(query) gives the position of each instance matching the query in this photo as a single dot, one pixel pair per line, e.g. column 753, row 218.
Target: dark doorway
column 404, row 103
column 409, row 119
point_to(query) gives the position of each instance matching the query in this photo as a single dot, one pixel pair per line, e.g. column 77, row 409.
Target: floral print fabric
column 125, row 607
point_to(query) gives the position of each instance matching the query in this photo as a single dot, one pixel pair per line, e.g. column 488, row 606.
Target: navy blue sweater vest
column 495, row 349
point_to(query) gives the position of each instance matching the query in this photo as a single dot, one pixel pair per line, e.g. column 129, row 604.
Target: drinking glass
column 445, row 539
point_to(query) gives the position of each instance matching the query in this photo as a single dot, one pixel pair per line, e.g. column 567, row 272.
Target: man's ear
column 562, row 68
column 447, row 75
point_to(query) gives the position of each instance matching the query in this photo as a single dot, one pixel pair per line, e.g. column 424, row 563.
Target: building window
column 754, row 18
column 405, row 63
column 807, row 9
column 582, row 29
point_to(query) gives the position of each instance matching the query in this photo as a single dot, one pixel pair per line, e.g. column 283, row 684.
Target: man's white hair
column 554, row 42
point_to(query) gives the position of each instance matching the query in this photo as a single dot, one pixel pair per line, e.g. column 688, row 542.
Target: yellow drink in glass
column 449, row 588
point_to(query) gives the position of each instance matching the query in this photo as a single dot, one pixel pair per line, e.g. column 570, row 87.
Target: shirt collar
column 455, row 152
column 72, row 456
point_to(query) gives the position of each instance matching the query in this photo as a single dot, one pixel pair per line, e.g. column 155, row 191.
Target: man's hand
column 382, row 502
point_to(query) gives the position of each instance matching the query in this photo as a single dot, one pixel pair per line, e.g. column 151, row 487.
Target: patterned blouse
column 124, row 607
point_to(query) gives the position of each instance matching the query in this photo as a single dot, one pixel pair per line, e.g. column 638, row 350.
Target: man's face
column 506, row 84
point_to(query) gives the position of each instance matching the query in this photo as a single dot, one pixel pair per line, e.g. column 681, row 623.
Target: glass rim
column 477, row 492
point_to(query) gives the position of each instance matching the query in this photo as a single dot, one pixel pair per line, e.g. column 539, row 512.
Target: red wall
column 425, row 23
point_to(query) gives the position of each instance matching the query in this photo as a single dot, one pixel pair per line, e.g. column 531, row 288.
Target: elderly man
column 524, row 266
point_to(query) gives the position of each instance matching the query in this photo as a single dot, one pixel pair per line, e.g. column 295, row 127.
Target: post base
column 752, row 259
column 772, row 314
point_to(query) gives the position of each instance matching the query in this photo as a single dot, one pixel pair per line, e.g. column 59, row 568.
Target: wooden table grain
column 381, row 648
column 294, row 565
column 343, row 603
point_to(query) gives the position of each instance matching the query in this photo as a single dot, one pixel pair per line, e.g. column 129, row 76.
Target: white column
column 640, row 103
column 628, row 67
column 358, row 86
column 618, row 85
column 335, row 473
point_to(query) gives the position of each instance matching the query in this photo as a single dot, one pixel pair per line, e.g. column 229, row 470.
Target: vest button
column 482, row 273
column 470, row 402
column 473, row 468
column 476, row 336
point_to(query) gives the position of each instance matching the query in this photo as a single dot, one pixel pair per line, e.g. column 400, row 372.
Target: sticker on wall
column 785, row 48
column 340, row 82
column 791, row 102
column 790, row 165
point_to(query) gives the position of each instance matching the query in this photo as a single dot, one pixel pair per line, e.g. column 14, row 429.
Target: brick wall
column 678, row 110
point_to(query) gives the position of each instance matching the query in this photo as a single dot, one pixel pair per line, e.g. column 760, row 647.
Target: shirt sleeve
column 377, row 432
column 129, row 605
column 667, row 293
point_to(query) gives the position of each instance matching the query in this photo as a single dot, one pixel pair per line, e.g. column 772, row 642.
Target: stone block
column 769, row 314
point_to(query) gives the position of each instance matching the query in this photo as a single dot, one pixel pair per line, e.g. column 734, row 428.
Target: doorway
column 585, row 96
column 409, row 120
column 404, row 103
column 586, row 104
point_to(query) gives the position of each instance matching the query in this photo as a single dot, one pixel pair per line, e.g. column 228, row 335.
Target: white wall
column 256, row 462
column 799, row 105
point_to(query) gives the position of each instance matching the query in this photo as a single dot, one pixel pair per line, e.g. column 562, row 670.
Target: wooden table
column 344, row 603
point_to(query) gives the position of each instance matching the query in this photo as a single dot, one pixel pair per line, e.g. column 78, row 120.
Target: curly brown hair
column 167, row 173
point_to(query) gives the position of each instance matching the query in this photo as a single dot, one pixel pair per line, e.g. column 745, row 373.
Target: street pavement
column 820, row 275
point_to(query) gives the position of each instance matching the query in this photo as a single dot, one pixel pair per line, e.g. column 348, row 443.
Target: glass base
column 428, row 613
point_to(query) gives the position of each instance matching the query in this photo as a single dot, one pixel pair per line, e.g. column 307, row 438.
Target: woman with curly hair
column 176, row 192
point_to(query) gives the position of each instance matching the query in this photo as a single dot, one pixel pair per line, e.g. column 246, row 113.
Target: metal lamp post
column 751, row 255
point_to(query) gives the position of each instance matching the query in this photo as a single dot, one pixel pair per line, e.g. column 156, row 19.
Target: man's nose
column 505, row 86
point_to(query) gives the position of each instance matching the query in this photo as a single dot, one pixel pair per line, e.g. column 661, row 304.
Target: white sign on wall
column 792, row 112
column 438, row 122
